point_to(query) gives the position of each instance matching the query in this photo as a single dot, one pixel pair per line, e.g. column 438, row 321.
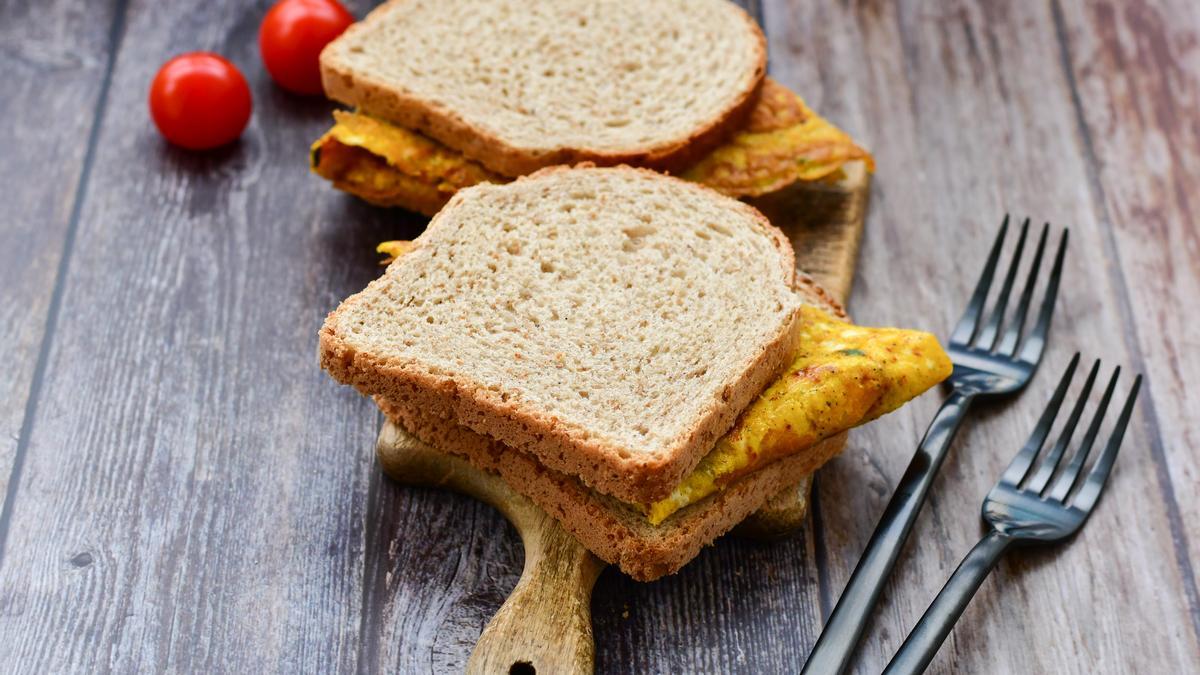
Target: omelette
column 783, row 142
column 389, row 165
column 840, row 376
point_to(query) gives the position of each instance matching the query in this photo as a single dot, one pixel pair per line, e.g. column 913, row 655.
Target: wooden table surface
column 183, row 489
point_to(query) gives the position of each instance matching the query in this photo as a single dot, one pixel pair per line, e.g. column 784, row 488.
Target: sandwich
column 634, row 352
column 451, row 93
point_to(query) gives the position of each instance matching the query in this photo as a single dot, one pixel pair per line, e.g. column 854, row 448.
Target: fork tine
column 1020, row 465
column 1064, row 484
column 1031, row 352
column 1012, row 334
column 991, row 329
column 1046, row 469
column 1094, row 485
column 967, row 325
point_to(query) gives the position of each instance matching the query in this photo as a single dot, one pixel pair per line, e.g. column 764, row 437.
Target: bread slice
column 520, row 86
column 616, row 532
column 611, row 322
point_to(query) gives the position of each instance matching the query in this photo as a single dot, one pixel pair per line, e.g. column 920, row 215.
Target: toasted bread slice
column 616, row 532
column 611, row 322
column 519, row 86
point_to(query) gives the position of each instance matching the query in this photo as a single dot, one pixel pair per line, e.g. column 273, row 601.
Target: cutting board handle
column 545, row 626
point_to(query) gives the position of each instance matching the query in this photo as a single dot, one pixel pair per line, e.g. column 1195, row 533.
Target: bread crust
column 345, row 84
column 614, row 531
column 603, row 466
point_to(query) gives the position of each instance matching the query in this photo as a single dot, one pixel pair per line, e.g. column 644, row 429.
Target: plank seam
column 820, row 550
column 819, row 547
column 820, row 554
column 368, row 633
column 755, row 9
column 116, row 32
column 1166, row 486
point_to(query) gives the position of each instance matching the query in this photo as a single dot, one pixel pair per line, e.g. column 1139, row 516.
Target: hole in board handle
column 522, row 668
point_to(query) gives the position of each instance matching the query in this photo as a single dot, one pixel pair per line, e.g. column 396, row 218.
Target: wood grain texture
column 545, row 624
column 1137, row 127
column 196, row 497
column 824, row 221
column 969, row 111
column 54, row 60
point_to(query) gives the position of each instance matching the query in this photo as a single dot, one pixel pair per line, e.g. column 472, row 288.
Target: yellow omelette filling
column 393, row 249
column 842, row 376
column 783, row 142
column 389, row 165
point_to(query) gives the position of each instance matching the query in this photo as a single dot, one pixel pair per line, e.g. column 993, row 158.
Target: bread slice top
column 612, row 322
column 520, row 86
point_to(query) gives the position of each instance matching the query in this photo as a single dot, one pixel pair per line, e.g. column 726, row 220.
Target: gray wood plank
column 195, row 492
column 969, row 112
column 1137, row 81
column 196, row 496
column 740, row 606
column 438, row 566
column 53, row 59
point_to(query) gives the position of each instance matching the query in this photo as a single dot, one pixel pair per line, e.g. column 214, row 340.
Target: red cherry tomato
column 291, row 38
column 199, row 101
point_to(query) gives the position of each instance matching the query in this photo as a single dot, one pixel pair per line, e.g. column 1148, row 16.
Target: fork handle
column 931, row 631
column 845, row 625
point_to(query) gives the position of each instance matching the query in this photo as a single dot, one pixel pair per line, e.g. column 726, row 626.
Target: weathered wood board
column 55, row 64
column 1072, row 113
column 187, row 493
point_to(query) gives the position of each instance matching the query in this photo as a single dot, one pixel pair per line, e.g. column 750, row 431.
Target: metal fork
column 987, row 362
column 1033, row 512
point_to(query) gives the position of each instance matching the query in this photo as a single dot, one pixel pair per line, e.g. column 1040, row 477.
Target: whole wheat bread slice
column 520, row 86
column 616, row 532
column 611, row 322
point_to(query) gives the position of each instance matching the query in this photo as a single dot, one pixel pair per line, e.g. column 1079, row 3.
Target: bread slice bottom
column 615, row 531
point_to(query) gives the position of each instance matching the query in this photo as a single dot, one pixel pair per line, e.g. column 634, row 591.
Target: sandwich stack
column 634, row 353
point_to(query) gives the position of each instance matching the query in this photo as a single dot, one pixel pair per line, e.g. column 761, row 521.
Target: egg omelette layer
column 841, row 376
column 783, row 142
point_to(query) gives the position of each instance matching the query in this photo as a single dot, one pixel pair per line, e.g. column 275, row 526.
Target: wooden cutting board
column 545, row 624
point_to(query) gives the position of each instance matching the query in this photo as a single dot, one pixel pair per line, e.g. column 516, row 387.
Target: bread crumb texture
column 625, row 307
column 610, row 76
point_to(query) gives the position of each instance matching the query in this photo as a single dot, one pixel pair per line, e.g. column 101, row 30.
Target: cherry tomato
column 199, row 101
column 291, row 38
